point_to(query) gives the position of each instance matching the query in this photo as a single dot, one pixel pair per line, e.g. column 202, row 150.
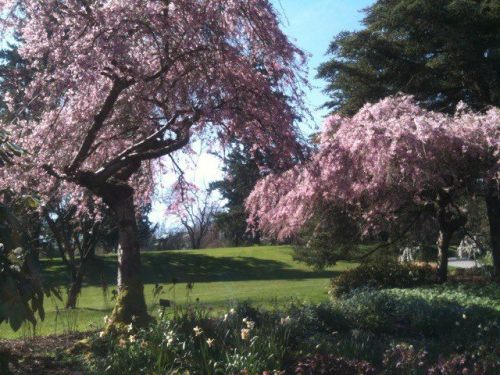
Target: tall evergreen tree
column 440, row 51
column 241, row 172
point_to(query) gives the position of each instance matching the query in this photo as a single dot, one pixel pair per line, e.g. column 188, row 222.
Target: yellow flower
column 132, row 338
column 245, row 333
column 197, row 331
column 210, row 342
column 285, row 321
column 130, row 327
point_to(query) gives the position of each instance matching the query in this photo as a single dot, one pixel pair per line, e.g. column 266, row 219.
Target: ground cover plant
column 423, row 329
column 428, row 330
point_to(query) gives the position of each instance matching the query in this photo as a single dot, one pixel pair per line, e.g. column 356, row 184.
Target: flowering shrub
column 464, row 364
column 382, row 274
column 192, row 342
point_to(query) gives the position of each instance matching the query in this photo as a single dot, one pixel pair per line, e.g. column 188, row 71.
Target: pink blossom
column 385, row 156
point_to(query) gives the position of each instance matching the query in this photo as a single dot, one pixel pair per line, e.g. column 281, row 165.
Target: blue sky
column 311, row 24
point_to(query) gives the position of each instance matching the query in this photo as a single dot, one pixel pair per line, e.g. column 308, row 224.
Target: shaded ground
column 262, row 275
column 209, row 265
column 39, row 355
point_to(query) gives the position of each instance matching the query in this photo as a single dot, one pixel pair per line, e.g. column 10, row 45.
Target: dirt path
column 39, row 355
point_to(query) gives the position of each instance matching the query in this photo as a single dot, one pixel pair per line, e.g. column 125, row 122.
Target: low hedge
column 383, row 274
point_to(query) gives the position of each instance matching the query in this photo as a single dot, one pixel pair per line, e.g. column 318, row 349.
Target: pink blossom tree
column 122, row 86
column 389, row 159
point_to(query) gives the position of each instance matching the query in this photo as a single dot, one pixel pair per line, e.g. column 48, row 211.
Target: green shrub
column 382, row 274
column 437, row 313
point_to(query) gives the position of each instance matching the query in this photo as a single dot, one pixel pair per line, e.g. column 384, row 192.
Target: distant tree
column 241, row 173
column 440, row 51
column 173, row 239
column 391, row 161
column 15, row 76
column 145, row 228
column 196, row 211
column 75, row 236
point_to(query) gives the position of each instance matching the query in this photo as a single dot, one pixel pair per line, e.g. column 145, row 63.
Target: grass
column 262, row 275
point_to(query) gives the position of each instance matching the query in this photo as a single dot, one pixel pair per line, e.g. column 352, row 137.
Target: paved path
column 461, row 263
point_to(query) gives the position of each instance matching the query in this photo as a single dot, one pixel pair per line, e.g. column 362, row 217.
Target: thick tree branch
column 118, row 86
column 148, row 150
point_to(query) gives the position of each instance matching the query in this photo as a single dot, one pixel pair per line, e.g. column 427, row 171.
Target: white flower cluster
column 408, row 254
column 468, row 248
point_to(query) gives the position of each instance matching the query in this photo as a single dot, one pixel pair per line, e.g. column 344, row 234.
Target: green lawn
column 262, row 275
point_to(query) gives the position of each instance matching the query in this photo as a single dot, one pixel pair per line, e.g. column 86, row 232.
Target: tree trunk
column 493, row 208
column 449, row 221
column 443, row 245
column 130, row 305
column 75, row 288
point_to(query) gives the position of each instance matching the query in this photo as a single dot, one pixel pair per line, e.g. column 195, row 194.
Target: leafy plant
column 386, row 273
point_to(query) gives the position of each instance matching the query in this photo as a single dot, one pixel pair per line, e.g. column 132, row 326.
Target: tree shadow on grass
column 163, row 267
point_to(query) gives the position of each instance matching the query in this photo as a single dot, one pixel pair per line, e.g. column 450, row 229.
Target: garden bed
column 41, row 355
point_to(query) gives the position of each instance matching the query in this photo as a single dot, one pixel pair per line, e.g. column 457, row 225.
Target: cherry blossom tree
column 390, row 159
column 122, row 86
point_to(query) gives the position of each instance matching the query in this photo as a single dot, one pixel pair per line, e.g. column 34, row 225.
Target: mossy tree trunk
column 131, row 304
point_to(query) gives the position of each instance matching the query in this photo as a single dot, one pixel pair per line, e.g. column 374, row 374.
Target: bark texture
column 450, row 219
column 131, row 304
column 75, row 289
column 443, row 246
column 493, row 208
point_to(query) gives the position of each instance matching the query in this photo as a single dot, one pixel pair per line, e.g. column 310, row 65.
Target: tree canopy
column 390, row 159
column 440, row 51
column 119, row 85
